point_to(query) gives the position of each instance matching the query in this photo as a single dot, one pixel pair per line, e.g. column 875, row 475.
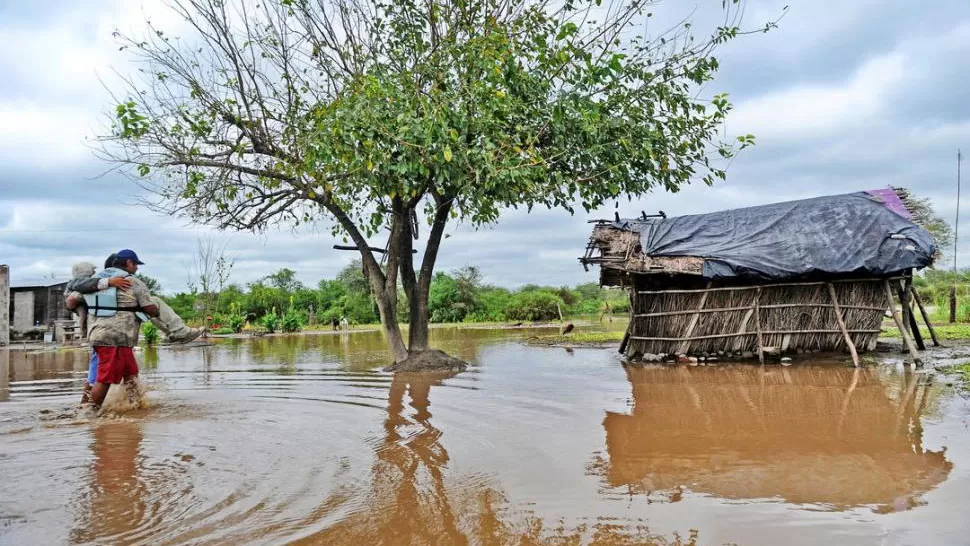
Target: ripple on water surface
column 301, row 440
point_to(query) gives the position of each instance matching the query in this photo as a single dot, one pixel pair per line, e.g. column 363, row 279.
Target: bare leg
column 131, row 389
column 86, row 394
column 98, row 394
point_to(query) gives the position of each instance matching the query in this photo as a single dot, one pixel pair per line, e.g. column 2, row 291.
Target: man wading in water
column 84, row 282
column 115, row 316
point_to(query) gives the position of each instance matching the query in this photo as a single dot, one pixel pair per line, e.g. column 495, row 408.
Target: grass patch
column 582, row 338
column 960, row 370
column 943, row 331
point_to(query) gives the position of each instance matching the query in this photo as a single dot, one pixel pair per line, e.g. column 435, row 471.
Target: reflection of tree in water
column 409, row 502
column 282, row 351
column 820, row 435
column 150, row 358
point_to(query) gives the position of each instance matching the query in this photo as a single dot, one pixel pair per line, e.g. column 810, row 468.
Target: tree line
column 281, row 302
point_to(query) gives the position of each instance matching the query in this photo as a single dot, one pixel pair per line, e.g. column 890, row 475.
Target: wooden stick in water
column 926, row 316
column 845, row 331
column 907, row 341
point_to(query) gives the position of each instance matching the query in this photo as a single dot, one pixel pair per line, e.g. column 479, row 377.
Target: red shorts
column 115, row 363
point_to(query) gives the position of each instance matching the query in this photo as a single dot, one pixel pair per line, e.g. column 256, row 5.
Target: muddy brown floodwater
column 303, row 440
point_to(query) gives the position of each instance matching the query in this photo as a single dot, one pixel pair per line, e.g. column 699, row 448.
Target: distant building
column 35, row 308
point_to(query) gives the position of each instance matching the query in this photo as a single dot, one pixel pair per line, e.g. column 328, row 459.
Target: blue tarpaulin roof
column 838, row 235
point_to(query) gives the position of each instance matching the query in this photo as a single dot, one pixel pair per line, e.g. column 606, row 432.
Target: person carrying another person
column 84, row 282
column 115, row 316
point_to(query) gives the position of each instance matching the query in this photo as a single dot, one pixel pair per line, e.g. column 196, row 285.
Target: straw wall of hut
column 787, row 317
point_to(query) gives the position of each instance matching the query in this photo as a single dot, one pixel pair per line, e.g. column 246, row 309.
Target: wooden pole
column 744, row 329
column 909, row 317
column 685, row 346
column 626, row 339
column 953, row 304
column 764, row 332
column 907, row 341
column 926, row 316
column 913, row 325
column 845, row 331
column 904, row 303
column 755, row 287
column 757, row 323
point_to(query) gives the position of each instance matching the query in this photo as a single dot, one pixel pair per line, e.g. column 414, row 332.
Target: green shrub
column 150, row 333
column 223, row 331
column 293, row 321
column 235, row 322
column 270, row 321
column 533, row 305
column 234, row 319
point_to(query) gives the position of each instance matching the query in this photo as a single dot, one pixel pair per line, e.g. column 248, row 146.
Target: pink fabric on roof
column 891, row 201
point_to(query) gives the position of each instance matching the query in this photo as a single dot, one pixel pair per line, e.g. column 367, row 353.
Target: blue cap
column 128, row 254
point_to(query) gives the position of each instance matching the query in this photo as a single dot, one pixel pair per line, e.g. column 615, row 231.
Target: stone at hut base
column 747, row 354
column 431, row 360
column 785, row 361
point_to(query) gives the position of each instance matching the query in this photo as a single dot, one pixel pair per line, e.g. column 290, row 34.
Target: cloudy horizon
column 840, row 97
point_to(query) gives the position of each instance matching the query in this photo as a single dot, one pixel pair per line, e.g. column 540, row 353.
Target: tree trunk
column 418, row 304
column 415, row 356
column 395, row 339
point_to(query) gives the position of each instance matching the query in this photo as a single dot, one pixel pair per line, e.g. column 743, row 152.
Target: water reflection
column 412, row 500
column 114, row 503
column 318, row 446
column 815, row 434
column 4, row 374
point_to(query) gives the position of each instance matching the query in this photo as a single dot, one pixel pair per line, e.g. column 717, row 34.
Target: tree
column 376, row 113
column 285, row 280
column 212, row 270
column 154, row 287
column 925, row 215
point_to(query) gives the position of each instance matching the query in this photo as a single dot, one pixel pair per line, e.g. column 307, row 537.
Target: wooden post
column 909, row 317
column 757, row 323
column 739, row 345
column 626, row 338
column 685, row 345
column 907, row 341
column 904, row 304
column 926, row 316
column 845, row 331
column 953, row 304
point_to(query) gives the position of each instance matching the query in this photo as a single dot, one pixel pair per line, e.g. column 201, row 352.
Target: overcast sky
column 843, row 96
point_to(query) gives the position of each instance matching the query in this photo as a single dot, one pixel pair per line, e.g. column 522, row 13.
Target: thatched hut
column 811, row 275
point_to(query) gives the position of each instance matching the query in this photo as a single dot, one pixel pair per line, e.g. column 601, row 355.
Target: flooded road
column 303, row 440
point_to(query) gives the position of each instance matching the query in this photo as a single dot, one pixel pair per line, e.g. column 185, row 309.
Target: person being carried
column 84, row 282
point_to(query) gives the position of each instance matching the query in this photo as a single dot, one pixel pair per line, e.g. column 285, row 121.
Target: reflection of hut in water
column 820, row 435
column 815, row 274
